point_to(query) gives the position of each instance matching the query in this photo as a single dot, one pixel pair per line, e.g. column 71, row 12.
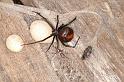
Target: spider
column 63, row 33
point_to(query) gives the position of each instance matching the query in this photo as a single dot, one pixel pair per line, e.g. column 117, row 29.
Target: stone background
column 100, row 24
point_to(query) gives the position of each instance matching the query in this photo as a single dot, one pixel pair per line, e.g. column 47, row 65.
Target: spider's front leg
column 39, row 40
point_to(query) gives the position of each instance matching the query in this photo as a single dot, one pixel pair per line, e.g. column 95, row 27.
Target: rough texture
column 99, row 24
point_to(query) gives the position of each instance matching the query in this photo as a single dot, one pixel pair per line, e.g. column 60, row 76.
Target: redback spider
column 63, row 33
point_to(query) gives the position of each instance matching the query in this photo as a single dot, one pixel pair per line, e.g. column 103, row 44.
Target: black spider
column 63, row 33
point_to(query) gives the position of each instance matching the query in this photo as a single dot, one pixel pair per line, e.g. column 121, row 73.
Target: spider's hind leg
column 64, row 25
column 57, row 22
column 45, row 19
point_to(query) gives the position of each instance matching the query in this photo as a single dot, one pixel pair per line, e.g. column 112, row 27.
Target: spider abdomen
column 65, row 34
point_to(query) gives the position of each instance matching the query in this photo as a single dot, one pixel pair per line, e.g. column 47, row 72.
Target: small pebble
column 14, row 43
column 39, row 30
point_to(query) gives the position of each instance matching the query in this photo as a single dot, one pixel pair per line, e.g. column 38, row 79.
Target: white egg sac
column 14, row 43
column 39, row 30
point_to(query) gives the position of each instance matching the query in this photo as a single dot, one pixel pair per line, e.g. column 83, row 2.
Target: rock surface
column 100, row 24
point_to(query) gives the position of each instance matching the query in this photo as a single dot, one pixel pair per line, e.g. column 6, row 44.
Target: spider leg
column 51, row 43
column 57, row 22
column 61, row 25
column 68, row 23
column 57, row 42
column 39, row 40
column 76, row 42
column 45, row 19
column 64, row 25
column 66, row 45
